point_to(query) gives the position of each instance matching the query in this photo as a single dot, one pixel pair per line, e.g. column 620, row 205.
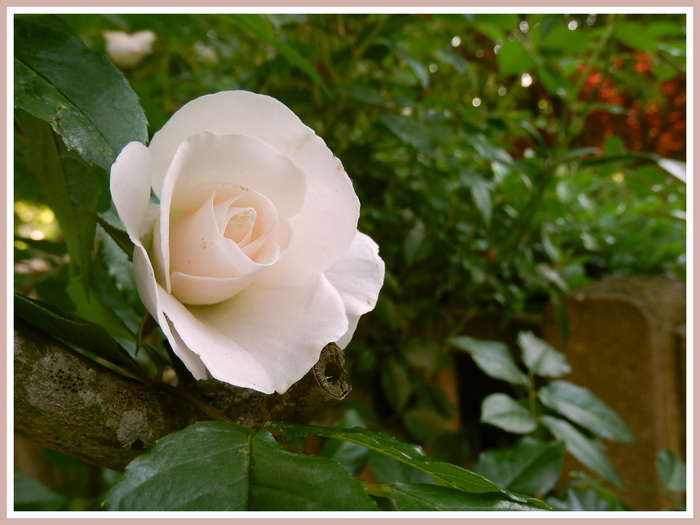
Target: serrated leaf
column 76, row 332
column 504, row 412
column 582, row 407
column 220, row 466
column 420, row 496
column 84, row 97
column 493, row 358
column 444, row 474
column 671, row 470
column 587, row 451
column 529, row 467
column 541, row 358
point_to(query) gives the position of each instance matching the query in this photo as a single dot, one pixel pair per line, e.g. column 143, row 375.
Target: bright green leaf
column 505, row 412
column 541, row 358
column 84, row 97
column 584, row 408
column 222, row 466
column 493, row 358
column 587, row 451
column 529, row 467
column 671, row 470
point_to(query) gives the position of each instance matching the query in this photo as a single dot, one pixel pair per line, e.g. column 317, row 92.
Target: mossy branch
column 75, row 405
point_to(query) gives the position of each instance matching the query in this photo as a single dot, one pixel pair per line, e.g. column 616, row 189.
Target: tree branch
column 73, row 404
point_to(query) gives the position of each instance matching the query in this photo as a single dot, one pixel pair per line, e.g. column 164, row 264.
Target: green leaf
column 541, row 358
column 587, row 451
column 420, row 496
column 635, row 36
column 84, row 97
column 425, row 138
column 505, row 412
column 444, row 474
column 513, row 59
column 481, row 193
column 555, row 84
column 226, row 467
column 529, row 467
column 68, row 185
column 396, row 383
column 671, row 470
column 257, row 26
column 77, row 332
column 93, row 309
column 582, row 407
column 493, row 358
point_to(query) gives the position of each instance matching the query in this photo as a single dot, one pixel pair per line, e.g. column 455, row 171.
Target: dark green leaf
column 581, row 406
column 529, row 467
column 505, row 412
column 587, row 451
column 226, row 467
column 671, row 470
column 410, row 497
column 77, row 332
column 553, row 82
column 541, row 358
column 84, row 97
column 444, row 474
column 493, row 358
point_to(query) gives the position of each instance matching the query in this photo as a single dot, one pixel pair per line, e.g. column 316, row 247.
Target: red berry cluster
column 657, row 125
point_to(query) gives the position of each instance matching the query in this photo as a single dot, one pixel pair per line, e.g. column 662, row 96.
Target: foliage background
column 501, row 162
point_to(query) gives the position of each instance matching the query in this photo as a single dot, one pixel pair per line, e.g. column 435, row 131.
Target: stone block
column 626, row 343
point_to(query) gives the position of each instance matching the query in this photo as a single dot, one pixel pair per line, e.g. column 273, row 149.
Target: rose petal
column 207, row 160
column 358, row 276
column 130, row 186
column 326, row 226
column 228, row 112
column 265, row 339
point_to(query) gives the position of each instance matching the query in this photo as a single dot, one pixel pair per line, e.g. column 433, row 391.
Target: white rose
column 127, row 50
column 251, row 262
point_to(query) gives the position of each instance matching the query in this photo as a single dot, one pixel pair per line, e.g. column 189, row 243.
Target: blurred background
column 505, row 163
